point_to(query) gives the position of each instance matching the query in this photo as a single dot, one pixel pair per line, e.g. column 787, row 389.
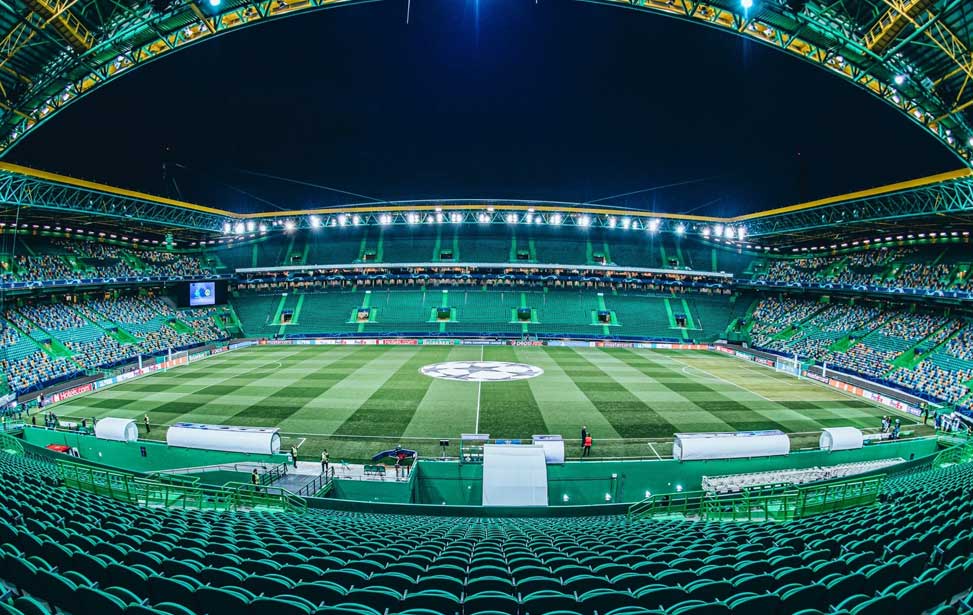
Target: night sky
column 502, row 99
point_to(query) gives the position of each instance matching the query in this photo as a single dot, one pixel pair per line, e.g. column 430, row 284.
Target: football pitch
column 358, row 400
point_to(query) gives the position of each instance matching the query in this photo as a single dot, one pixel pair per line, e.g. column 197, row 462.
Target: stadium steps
column 910, row 359
column 49, row 343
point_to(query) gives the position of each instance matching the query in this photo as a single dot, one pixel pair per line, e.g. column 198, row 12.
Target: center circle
column 481, row 371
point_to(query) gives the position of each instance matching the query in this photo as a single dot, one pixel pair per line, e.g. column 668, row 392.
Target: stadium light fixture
column 356, row 220
column 899, row 79
column 511, row 218
column 439, row 217
column 215, row 3
column 456, row 217
column 556, row 219
column 608, row 497
column 239, row 228
column 741, row 233
column 385, row 219
column 612, row 222
column 412, row 218
column 584, row 221
column 289, row 225
column 483, row 218
column 251, row 226
column 971, row 142
column 626, row 223
column 263, row 228
column 746, row 4
column 342, row 219
column 680, row 229
column 728, row 233
column 565, row 497
column 678, row 487
column 315, row 221
column 718, row 230
column 706, row 232
column 654, row 225
column 227, row 228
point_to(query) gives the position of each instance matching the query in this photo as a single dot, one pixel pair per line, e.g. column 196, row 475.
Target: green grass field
column 357, row 400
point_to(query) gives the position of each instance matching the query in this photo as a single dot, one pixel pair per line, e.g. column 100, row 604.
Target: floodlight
column 385, row 219
column 239, row 228
column 654, row 224
column 356, row 220
column 227, row 228
column 511, row 218
column 565, row 497
column 439, row 218
column 706, row 232
column 971, row 141
column 899, row 79
column 611, row 222
column 315, row 221
column 741, row 233
column 678, row 487
column 746, row 4
column 456, row 217
column 626, row 223
column 263, row 228
column 728, row 233
column 718, row 230
column 680, row 229
column 251, row 226
column 584, row 221
column 608, row 497
column 215, row 3
column 556, row 219
column 483, row 218
column 343, row 219
column 289, row 225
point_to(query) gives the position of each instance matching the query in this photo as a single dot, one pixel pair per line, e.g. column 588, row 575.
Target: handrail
column 777, row 504
column 11, row 444
column 321, row 485
column 173, row 491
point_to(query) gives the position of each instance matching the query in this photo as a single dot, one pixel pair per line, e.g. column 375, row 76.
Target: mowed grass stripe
column 389, row 410
column 449, row 407
column 331, row 408
column 563, row 406
column 292, row 394
column 776, row 397
column 628, row 415
column 223, row 408
column 508, row 409
column 681, row 412
column 174, row 401
column 740, row 416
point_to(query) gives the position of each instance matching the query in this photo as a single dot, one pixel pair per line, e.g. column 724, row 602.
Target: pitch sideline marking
column 655, row 451
column 752, row 366
column 479, row 386
column 741, row 387
column 301, row 443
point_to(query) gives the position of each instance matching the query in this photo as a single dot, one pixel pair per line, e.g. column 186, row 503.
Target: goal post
column 789, row 365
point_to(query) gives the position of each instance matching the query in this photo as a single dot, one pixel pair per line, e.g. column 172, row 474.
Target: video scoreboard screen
column 201, row 294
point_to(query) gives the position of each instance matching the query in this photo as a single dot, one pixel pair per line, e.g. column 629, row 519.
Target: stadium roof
column 913, row 54
column 937, row 204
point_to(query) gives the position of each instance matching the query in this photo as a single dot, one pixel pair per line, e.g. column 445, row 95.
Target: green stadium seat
column 217, row 600
column 380, row 598
column 96, row 602
column 29, row 606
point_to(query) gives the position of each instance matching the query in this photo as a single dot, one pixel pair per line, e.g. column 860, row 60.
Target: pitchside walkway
column 307, row 472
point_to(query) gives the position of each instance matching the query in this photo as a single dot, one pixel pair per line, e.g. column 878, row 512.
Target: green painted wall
column 128, row 455
column 587, row 482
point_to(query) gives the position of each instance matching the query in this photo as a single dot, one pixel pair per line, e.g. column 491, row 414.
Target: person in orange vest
column 587, row 446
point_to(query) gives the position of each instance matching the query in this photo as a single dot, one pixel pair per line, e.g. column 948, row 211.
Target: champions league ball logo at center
column 481, row 371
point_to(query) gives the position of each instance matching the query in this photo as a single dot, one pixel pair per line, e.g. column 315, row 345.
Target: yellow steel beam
column 426, row 207
column 861, row 194
column 88, row 185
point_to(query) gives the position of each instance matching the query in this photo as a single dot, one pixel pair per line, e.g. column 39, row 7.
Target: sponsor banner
column 726, row 349
column 399, row 342
column 72, row 392
column 569, row 343
column 612, row 345
column 527, row 343
column 242, row 345
column 814, row 376
column 438, row 341
column 484, row 342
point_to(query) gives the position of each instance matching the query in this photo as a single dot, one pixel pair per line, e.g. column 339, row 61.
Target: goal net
column 788, row 365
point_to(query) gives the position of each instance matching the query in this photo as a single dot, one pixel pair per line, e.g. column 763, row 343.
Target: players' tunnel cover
column 481, row 371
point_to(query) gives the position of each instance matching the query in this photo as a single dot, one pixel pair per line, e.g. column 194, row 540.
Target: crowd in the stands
column 893, row 268
column 872, row 339
column 775, row 314
column 70, row 260
column 795, row 271
column 147, row 321
column 922, row 275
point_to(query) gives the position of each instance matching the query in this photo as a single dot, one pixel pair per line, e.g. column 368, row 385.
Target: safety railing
column 960, row 452
column 780, row 504
column 320, row 486
column 170, row 491
column 10, row 444
column 268, row 474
